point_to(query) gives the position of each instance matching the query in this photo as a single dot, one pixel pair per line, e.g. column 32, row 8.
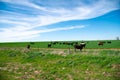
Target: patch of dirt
column 59, row 52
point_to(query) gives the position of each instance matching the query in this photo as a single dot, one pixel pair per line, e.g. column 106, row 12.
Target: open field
column 58, row 62
column 89, row 44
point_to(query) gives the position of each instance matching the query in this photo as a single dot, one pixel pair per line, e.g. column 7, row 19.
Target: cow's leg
column 80, row 49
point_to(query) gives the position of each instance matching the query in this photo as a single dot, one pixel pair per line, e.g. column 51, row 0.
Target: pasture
column 90, row 44
column 58, row 63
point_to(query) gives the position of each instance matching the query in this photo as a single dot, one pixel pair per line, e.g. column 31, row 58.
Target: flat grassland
column 59, row 63
column 89, row 44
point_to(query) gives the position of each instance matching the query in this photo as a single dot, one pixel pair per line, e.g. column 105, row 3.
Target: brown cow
column 101, row 43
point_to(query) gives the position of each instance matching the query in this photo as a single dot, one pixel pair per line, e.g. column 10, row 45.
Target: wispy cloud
column 19, row 34
column 24, row 3
column 43, row 14
column 58, row 29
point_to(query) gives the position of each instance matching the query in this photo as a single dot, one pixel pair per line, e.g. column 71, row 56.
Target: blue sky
column 50, row 20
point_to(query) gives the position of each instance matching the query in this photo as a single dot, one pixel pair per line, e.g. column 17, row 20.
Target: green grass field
column 46, row 64
column 90, row 44
column 58, row 63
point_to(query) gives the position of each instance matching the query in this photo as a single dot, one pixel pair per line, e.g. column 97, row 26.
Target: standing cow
column 49, row 45
column 100, row 43
column 109, row 42
column 28, row 46
column 81, row 46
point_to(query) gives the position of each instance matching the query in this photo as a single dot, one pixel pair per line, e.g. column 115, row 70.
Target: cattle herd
column 76, row 45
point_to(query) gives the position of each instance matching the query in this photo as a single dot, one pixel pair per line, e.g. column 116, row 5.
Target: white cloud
column 14, row 22
column 58, row 29
column 15, row 35
column 24, row 23
column 25, row 3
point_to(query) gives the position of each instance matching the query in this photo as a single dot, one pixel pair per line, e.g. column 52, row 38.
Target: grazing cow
column 54, row 43
column 81, row 46
column 49, row 45
column 109, row 42
column 69, row 43
column 60, row 43
column 63, row 43
column 28, row 46
column 32, row 43
column 101, row 43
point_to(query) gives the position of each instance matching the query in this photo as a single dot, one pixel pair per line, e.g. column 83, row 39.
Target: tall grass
column 42, row 65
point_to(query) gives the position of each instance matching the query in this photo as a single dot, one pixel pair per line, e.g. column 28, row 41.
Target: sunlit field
column 59, row 39
column 89, row 44
column 60, row 62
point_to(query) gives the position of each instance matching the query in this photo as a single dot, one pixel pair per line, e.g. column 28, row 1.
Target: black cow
column 109, row 42
column 32, row 43
column 28, row 46
column 49, row 45
column 81, row 46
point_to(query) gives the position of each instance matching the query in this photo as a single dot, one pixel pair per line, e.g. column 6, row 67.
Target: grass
column 90, row 44
column 46, row 64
